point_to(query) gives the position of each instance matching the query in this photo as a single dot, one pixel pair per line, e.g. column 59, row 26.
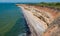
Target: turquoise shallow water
column 12, row 21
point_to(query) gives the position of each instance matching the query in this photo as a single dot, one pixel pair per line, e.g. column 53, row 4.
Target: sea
column 12, row 21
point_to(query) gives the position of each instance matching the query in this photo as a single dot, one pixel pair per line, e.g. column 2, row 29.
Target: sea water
column 12, row 21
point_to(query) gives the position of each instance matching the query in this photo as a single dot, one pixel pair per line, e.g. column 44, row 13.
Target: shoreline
column 28, row 32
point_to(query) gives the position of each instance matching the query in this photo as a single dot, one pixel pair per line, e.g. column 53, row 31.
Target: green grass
column 51, row 4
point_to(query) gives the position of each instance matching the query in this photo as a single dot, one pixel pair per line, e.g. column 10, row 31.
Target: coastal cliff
column 42, row 21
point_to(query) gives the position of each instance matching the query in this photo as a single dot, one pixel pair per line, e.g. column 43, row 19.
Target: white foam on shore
column 22, row 34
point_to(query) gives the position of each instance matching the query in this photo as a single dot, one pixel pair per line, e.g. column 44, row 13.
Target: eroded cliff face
column 52, row 19
column 39, row 17
column 54, row 28
column 54, row 23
